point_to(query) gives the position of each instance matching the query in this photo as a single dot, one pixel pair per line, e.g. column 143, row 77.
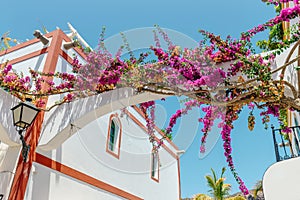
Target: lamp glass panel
column 28, row 114
column 16, row 114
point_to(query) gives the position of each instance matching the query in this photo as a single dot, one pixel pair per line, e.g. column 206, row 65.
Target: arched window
column 155, row 166
column 114, row 136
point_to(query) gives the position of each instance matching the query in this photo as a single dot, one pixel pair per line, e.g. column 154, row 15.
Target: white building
column 281, row 180
column 86, row 149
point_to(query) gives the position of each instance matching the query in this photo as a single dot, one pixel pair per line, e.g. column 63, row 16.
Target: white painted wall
column 10, row 142
column 290, row 72
column 8, row 160
column 57, row 128
column 281, row 180
column 36, row 63
column 8, row 133
column 21, row 52
column 60, row 187
column 62, row 66
column 86, row 152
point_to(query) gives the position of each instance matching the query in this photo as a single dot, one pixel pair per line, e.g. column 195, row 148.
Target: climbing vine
column 222, row 76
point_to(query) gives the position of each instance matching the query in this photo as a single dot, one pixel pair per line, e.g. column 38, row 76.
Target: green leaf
column 297, row 67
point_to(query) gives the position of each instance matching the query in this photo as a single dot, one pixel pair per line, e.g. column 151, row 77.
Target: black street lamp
column 23, row 115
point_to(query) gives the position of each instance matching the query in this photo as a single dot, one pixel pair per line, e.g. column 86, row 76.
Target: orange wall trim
column 23, row 169
column 285, row 24
column 66, row 56
column 23, row 45
column 52, row 58
column 28, row 56
column 140, row 124
column 32, row 135
column 131, row 116
column 179, row 179
column 77, row 49
column 138, row 110
column 47, row 162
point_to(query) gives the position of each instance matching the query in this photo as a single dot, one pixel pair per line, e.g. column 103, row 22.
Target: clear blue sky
column 253, row 151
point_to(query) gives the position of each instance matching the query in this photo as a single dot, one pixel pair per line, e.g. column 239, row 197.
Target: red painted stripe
column 78, row 50
column 32, row 135
column 24, row 44
column 179, row 179
column 133, row 118
column 66, row 56
column 156, row 128
column 28, row 56
column 82, row 177
column 19, row 184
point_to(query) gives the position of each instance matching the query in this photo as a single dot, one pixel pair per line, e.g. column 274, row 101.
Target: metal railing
column 286, row 147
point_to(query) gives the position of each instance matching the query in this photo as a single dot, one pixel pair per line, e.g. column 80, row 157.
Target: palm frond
column 226, row 188
column 210, row 182
column 258, row 187
column 214, row 174
column 223, row 171
column 220, row 182
column 219, row 189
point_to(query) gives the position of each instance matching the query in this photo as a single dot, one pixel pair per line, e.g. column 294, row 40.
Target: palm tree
column 202, row 197
column 206, row 197
column 236, row 198
column 257, row 188
column 219, row 189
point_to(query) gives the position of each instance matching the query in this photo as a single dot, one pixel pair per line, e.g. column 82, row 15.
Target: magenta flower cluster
column 183, row 71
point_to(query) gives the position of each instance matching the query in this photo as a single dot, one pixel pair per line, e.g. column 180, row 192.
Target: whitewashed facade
column 281, row 180
column 74, row 158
